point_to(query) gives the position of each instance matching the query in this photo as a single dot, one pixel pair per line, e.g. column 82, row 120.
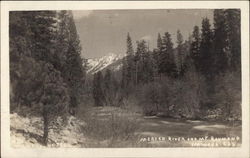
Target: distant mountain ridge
column 111, row 61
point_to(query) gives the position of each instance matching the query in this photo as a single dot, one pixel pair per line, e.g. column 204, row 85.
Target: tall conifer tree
column 206, row 50
column 220, row 41
column 180, row 52
column 167, row 63
column 195, row 47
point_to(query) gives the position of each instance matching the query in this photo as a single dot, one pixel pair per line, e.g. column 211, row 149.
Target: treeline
column 46, row 72
column 200, row 75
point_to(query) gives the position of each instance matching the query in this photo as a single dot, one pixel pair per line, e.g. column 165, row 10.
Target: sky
column 105, row 31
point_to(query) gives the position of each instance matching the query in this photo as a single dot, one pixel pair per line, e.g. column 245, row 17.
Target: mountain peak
column 98, row 64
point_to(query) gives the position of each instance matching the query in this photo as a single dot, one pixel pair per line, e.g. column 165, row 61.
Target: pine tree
column 128, row 74
column 68, row 51
column 227, row 40
column 54, row 99
column 220, row 41
column 167, row 63
column 195, row 47
column 62, row 42
column 206, row 56
column 130, row 50
column 154, row 59
column 159, row 42
column 228, row 63
column 234, row 38
column 186, row 62
column 180, row 52
column 130, row 61
column 140, row 61
column 107, row 87
column 31, row 41
column 156, row 54
column 145, row 65
column 124, row 73
column 42, row 25
column 98, row 93
column 34, row 80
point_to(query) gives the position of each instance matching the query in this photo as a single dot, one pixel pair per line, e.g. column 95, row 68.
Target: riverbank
column 115, row 127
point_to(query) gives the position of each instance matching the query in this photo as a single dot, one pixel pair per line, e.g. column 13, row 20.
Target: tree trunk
column 18, row 105
column 45, row 128
column 157, row 108
column 136, row 74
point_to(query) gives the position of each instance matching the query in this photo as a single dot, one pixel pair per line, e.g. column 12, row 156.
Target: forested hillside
column 200, row 76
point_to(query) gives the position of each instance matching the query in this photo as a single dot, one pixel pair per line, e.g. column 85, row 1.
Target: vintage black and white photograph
column 125, row 78
column 99, row 79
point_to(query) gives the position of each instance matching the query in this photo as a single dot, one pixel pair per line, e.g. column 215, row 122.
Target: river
column 166, row 132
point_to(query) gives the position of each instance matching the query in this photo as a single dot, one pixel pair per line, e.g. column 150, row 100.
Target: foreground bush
column 111, row 127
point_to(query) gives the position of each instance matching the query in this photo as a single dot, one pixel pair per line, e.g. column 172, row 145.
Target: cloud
column 78, row 14
column 146, row 38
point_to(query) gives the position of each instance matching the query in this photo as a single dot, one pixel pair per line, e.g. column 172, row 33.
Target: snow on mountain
column 98, row 64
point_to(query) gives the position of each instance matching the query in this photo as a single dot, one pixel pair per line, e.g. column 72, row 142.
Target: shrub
column 190, row 93
column 173, row 97
column 112, row 129
column 149, row 98
column 228, row 95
